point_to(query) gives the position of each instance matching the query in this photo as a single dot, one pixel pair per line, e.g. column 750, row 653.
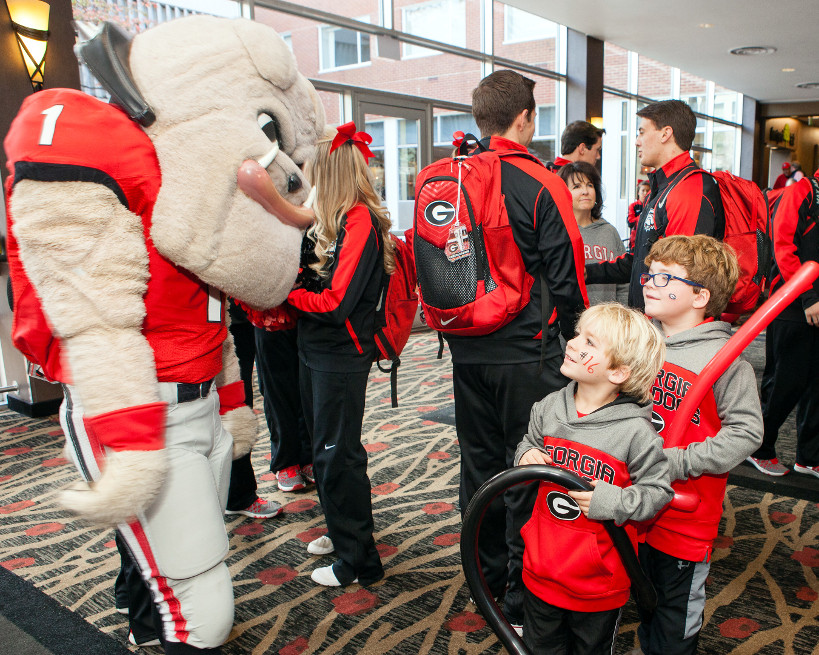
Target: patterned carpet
column 762, row 592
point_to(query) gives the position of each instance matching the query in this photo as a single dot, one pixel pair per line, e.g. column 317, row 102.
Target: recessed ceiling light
column 788, row 70
column 751, row 50
column 706, row 26
column 808, row 85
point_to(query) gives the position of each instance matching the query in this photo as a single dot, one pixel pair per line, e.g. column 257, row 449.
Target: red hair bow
column 361, row 140
column 458, row 138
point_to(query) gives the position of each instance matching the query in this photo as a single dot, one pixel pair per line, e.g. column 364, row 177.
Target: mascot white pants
column 179, row 542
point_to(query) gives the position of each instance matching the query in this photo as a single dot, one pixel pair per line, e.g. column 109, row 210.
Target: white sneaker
column 808, row 470
column 321, row 546
column 325, row 576
column 150, row 642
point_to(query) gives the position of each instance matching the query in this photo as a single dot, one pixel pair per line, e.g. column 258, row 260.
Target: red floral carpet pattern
column 762, row 591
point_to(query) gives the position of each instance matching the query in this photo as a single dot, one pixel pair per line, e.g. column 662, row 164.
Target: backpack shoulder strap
column 673, row 184
column 814, row 205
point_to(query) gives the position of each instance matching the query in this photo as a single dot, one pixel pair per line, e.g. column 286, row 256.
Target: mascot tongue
column 255, row 181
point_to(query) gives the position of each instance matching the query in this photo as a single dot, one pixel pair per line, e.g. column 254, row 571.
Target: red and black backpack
column 747, row 231
column 471, row 276
column 396, row 310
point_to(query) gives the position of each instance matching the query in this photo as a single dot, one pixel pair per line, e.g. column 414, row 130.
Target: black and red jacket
column 675, row 206
column 337, row 320
column 795, row 241
column 543, row 226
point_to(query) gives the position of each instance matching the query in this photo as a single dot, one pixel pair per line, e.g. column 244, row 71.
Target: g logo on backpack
column 562, row 506
column 439, row 213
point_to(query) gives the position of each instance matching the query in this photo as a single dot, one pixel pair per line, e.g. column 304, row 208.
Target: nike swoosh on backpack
column 448, row 321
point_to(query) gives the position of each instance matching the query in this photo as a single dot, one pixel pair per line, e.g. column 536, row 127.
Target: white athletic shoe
column 326, row 577
column 150, row 642
column 321, row 546
column 808, row 470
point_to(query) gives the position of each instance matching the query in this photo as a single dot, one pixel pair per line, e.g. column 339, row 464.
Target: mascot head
column 222, row 93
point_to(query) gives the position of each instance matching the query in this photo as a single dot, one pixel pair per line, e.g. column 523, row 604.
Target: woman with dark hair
column 601, row 241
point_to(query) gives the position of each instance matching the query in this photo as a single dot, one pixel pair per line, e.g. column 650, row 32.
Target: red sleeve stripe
column 353, row 336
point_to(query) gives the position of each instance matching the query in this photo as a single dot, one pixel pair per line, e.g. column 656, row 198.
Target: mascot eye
column 293, row 183
column 269, row 126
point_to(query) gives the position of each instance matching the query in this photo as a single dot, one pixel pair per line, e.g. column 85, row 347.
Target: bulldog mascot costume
column 129, row 223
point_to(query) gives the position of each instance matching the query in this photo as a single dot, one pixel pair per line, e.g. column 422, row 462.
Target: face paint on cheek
column 590, row 366
column 583, row 356
column 672, row 296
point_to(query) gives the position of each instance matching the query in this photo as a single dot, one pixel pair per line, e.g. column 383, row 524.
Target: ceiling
column 671, row 31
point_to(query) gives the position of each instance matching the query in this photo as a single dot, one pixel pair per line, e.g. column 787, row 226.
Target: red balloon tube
column 801, row 281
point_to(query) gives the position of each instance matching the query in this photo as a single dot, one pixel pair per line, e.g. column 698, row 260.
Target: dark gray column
column 750, row 148
column 584, row 84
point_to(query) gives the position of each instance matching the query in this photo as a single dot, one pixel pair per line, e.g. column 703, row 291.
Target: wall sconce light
column 597, row 121
column 30, row 21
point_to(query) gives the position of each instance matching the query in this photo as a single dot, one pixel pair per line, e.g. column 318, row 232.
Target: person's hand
column 583, row 498
column 534, row 456
column 812, row 314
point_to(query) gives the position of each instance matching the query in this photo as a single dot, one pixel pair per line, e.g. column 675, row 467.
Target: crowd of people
column 523, row 397
column 588, row 376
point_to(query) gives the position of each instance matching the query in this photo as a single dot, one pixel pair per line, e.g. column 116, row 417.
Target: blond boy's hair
column 707, row 261
column 632, row 341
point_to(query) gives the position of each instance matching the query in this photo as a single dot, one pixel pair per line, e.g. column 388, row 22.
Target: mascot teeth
column 265, row 161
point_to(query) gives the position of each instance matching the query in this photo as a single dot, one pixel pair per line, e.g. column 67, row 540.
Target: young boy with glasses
column 688, row 284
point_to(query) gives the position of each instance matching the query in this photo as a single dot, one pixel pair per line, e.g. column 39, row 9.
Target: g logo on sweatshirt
column 562, row 506
column 439, row 213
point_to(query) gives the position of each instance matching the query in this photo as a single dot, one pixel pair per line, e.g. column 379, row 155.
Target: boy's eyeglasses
column 662, row 279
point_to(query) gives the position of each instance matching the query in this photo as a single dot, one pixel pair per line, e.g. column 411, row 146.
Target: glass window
column 546, row 120
column 520, row 25
column 446, row 124
column 727, row 104
column 723, row 152
column 345, row 9
column 451, row 79
column 615, row 67
column 694, row 92
column 333, row 107
column 439, row 20
column 653, row 79
column 342, row 47
column 525, row 37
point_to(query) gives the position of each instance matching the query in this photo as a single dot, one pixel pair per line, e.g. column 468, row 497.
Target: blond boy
column 598, row 427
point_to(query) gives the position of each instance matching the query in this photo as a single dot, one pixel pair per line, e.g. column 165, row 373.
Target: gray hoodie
column 602, row 243
column 737, row 404
column 621, row 430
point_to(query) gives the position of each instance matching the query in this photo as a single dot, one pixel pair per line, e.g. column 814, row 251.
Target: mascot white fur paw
column 129, row 224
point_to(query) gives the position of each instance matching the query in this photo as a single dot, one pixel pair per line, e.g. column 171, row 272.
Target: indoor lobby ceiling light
column 30, row 21
column 751, row 50
column 788, row 70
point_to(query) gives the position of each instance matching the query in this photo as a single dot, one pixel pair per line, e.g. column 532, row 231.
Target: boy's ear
column 619, row 375
column 701, row 299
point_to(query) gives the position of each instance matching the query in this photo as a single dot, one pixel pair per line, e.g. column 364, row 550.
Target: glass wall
column 631, row 81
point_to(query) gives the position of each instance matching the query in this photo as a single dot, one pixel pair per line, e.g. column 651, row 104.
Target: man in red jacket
column 676, row 205
column 792, row 338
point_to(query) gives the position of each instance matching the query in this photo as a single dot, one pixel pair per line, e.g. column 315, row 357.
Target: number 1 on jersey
column 51, row 115
column 215, row 304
